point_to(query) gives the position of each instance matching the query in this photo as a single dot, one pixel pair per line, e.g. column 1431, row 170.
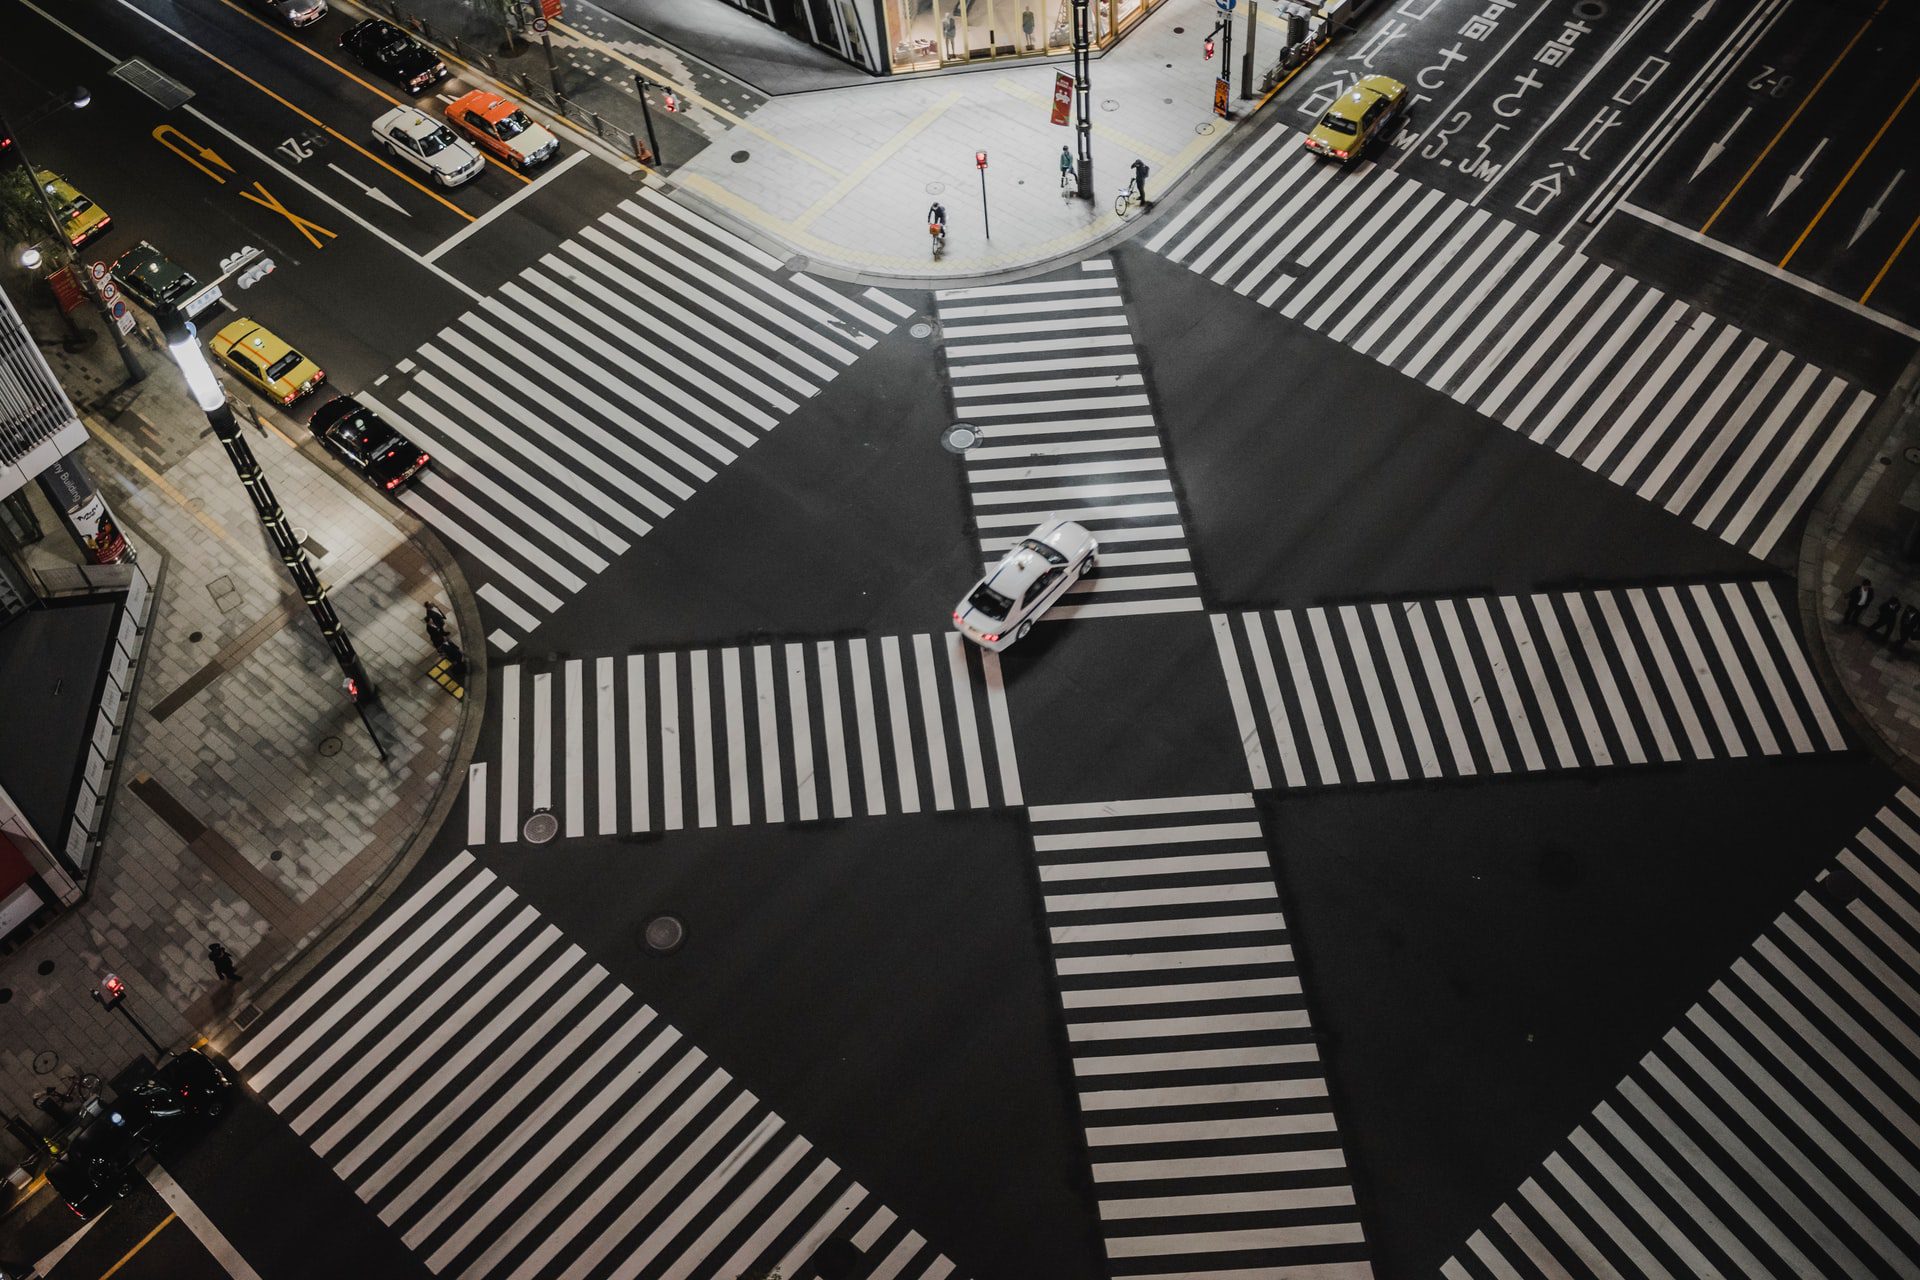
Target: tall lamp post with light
column 186, row 351
column 10, row 141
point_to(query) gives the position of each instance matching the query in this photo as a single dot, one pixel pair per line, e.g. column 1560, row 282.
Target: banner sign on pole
column 1220, row 98
column 1062, row 96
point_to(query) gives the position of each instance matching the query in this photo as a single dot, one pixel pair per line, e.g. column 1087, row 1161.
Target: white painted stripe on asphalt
column 1790, row 504
column 1405, row 692
column 1121, row 608
column 1177, row 865
column 803, row 781
column 1768, row 485
column 1803, row 674
column 576, row 763
column 1702, row 673
column 1126, row 1135
column 1192, row 927
column 1080, row 363
column 1255, row 630
column 903, row 765
column 542, row 741
column 737, row 1205
column 1075, row 324
column 740, row 806
column 833, row 1219
column 477, row 803
column 1788, row 408
column 1647, row 387
column 1503, row 681
column 832, row 729
column 1218, row 1167
column 1544, row 701
column 966, row 723
column 1589, row 638
column 190, row 1214
column 872, row 776
column 766, row 698
column 1160, row 896
column 1736, row 674
column 1751, row 642
column 1383, row 727
column 1335, row 681
column 706, row 813
column 506, row 604
column 1138, row 837
column 1198, row 1025
column 1221, row 1093
column 772, row 1223
column 1442, row 692
column 686, row 1203
column 889, row 302
column 959, row 353
column 1002, row 728
column 1178, row 961
column 1548, row 352
column 1510, row 324
column 1570, row 679
column 443, row 488
column 1179, row 992
column 1656, row 643
column 671, row 798
column 1470, row 681
column 1723, row 386
column 1303, row 688
column 603, row 706
column 640, row 819
column 496, row 564
column 1194, row 1060
column 933, row 723
column 1242, row 705
column 1727, row 430
column 1026, row 289
column 510, row 753
column 1135, row 808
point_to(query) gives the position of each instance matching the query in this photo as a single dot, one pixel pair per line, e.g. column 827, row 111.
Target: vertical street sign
column 980, row 163
column 1220, row 97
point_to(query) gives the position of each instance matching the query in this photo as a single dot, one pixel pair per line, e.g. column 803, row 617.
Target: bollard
column 598, row 130
column 493, row 68
column 640, row 151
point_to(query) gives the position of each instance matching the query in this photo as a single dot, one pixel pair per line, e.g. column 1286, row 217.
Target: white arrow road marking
column 374, row 192
column 202, row 1227
column 1795, row 178
column 1866, row 219
column 1714, row 149
column 1695, row 19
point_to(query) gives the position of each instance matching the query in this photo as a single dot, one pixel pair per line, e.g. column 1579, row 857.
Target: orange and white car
column 503, row 127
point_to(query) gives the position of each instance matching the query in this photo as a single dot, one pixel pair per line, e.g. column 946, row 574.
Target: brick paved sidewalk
column 1870, row 511
column 252, row 808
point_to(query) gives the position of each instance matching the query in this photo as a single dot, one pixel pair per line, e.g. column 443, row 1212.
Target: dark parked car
column 151, row 279
column 387, row 51
column 98, row 1165
column 366, row 443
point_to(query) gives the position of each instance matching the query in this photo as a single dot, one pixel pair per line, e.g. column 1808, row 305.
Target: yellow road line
column 1804, row 102
column 144, row 1242
column 318, row 123
column 373, row 89
column 737, row 122
column 862, row 171
column 1888, row 264
column 1854, row 168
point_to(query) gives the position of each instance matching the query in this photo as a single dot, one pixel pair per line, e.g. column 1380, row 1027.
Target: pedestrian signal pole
column 980, row 163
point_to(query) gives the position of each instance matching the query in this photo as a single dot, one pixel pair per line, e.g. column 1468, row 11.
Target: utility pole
column 1083, row 95
column 646, row 114
column 1246, row 65
column 213, row 402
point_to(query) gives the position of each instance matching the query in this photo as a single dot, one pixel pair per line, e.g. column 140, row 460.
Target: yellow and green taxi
column 1357, row 117
column 266, row 360
column 80, row 218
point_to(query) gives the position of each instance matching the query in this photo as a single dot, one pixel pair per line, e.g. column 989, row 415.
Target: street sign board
column 66, row 289
column 539, row 26
column 98, row 270
column 1220, row 98
column 125, row 322
column 107, row 291
column 119, row 309
column 1062, row 96
column 1225, row 6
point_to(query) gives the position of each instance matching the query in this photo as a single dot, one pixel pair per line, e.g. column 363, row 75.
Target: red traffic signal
column 110, row 990
column 979, row 159
column 669, row 101
column 353, row 688
column 1209, row 48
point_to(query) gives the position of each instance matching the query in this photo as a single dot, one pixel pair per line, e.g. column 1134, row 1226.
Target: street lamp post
column 213, row 401
column 1083, row 95
column 77, row 99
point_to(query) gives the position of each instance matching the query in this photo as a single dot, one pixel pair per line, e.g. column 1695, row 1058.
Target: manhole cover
column 45, row 1061
column 935, row 188
column 1179, row 31
column 1590, row 9
column 194, row 637
column 664, row 934
column 1912, row 455
column 960, row 437
column 540, row 828
column 1109, row 104
column 329, row 746
column 44, row 968
column 739, row 157
column 275, row 856
column 922, row 329
column 1204, row 129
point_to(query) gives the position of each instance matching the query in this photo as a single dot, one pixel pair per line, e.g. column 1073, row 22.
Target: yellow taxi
column 264, row 359
column 1357, row 117
column 80, row 218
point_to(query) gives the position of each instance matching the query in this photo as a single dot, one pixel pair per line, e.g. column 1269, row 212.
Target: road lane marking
column 372, row 89
column 202, row 1227
column 192, row 152
column 1774, row 141
column 125, row 1258
column 311, row 230
column 1888, row 264
column 433, row 254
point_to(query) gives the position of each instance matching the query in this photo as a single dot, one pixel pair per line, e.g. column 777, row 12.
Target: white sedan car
column 429, row 146
column 1029, row 579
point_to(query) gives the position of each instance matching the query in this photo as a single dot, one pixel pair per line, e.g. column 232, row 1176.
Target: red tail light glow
column 991, row 638
column 956, row 617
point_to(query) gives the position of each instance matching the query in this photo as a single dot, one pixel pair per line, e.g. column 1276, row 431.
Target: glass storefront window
column 931, row 33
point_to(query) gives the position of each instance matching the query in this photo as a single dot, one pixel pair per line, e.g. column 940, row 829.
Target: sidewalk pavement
column 1858, row 528
column 845, row 175
column 252, row 808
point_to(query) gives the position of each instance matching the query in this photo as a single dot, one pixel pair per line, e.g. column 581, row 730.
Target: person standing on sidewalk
column 222, row 963
column 1140, row 181
column 1857, row 601
column 1067, row 182
column 1909, row 628
column 1885, row 618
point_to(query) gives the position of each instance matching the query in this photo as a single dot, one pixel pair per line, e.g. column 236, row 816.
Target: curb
column 1820, row 534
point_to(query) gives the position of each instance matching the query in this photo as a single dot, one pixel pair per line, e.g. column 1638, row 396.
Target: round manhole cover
column 329, row 746
column 1912, row 454
column 1590, row 9
column 935, row 188
column 44, row 1061
column 960, row 437
column 922, row 329
column 739, row 157
column 1109, row 104
column 541, row 827
column 664, row 934
column 44, row 968
column 1204, row 128
column 194, row 637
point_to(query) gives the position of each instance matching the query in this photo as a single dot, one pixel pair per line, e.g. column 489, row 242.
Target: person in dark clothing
column 1884, row 620
column 1857, row 601
column 1140, row 181
column 1909, row 628
column 436, row 622
column 222, row 962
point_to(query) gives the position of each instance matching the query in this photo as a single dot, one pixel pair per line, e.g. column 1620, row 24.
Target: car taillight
column 1339, row 155
column 991, row 637
column 290, row 397
column 956, row 617
column 420, row 461
column 393, row 483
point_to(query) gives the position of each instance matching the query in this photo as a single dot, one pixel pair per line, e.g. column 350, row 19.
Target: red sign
column 1062, row 96
column 1220, row 98
column 550, row 10
column 66, row 289
column 979, row 159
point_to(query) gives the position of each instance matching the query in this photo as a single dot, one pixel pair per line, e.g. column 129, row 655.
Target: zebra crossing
column 1426, row 689
column 1213, row 1144
column 1712, row 424
column 1775, row 1130
column 592, row 395
column 789, row 732
column 513, row 1112
column 1047, row 372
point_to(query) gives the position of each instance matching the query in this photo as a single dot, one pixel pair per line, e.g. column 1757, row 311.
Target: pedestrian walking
column 1140, row 181
column 1067, row 182
column 1885, row 618
column 1909, row 628
column 436, row 622
column 456, row 656
column 222, row 963
column 1857, row 601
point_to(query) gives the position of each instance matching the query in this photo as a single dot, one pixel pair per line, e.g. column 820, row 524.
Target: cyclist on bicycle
column 937, row 220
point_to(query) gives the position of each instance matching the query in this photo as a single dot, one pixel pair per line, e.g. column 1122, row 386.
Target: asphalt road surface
column 1308, row 889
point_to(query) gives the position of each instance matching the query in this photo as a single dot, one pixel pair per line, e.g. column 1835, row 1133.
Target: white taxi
column 1029, row 580
column 429, row 146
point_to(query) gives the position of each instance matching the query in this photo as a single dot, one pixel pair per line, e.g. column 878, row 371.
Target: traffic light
column 671, row 102
column 110, row 990
column 1209, row 48
column 352, row 686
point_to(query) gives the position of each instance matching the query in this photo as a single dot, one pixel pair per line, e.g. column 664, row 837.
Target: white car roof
column 1021, row 565
column 409, row 121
